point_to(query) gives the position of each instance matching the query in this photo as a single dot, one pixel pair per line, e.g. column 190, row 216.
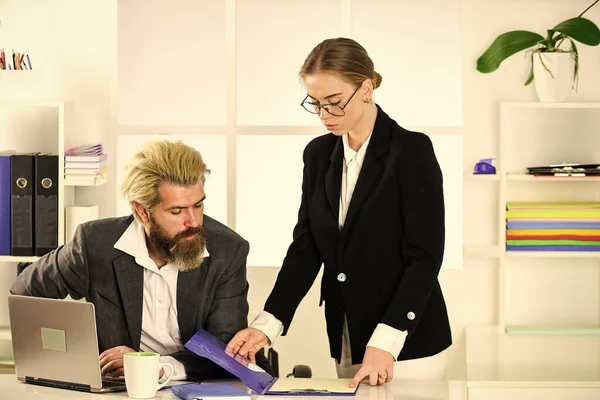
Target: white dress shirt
column 384, row 337
column 160, row 329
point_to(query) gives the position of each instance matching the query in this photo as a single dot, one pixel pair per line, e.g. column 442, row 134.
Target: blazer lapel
column 333, row 178
column 130, row 278
column 372, row 167
column 189, row 298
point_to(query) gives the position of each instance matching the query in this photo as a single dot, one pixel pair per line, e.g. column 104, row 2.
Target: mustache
column 188, row 232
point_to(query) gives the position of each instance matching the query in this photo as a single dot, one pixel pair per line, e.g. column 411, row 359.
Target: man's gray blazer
column 212, row 297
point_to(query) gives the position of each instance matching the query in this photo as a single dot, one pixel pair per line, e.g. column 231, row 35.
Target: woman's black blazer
column 382, row 267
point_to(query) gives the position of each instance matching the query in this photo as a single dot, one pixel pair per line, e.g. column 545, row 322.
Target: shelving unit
column 16, row 259
column 40, row 126
column 519, row 148
column 533, row 351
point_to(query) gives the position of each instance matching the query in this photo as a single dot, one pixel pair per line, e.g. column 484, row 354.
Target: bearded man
column 157, row 276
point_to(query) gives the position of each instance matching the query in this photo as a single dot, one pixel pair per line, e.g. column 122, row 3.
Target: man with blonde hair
column 158, row 276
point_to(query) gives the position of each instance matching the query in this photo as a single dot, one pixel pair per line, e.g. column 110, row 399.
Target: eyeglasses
column 334, row 109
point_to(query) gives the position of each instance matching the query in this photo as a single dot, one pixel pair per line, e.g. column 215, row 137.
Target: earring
column 367, row 101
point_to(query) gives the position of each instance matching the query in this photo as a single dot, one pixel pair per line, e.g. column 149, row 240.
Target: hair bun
column 376, row 79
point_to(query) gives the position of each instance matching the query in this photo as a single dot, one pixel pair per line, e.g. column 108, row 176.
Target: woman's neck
column 362, row 130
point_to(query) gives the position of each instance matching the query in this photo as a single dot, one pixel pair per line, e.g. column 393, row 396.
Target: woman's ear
column 367, row 90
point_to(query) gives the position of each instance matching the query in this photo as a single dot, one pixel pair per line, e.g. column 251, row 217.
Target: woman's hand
column 378, row 365
column 247, row 343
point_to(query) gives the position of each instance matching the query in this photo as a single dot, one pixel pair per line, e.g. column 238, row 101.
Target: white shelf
column 497, row 360
column 552, row 330
column 535, row 104
column 18, row 259
column 531, row 178
column 73, row 182
column 481, row 251
column 469, row 176
column 553, row 254
column 5, row 334
column 24, row 103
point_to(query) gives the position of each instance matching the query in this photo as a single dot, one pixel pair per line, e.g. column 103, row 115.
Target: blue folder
column 4, row 205
column 193, row 391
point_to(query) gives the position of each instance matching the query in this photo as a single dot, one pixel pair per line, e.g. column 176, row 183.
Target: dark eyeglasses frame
column 324, row 106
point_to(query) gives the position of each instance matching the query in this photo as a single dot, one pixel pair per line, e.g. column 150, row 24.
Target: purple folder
column 550, row 248
column 206, row 345
column 4, row 205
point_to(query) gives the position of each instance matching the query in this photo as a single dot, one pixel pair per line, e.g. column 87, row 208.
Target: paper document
column 310, row 385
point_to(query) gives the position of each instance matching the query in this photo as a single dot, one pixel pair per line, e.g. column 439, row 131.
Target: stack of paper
column 553, row 226
column 85, row 164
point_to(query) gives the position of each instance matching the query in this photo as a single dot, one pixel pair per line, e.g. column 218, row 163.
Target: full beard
column 185, row 254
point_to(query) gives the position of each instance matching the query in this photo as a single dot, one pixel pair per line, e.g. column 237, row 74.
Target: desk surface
column 10, row 388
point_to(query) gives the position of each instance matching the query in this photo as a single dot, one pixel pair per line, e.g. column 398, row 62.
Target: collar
column 133, row 242
column 359, row 155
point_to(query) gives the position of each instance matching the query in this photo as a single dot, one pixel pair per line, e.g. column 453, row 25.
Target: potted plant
column 554, row 67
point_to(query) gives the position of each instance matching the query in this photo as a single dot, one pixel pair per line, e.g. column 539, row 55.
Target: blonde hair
column 344, row 57
column 158, row 162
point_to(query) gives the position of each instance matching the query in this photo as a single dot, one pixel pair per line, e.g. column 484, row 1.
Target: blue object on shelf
column 484, row 167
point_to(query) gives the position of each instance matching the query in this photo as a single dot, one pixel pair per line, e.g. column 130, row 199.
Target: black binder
column 21, row 204
column 46, row 203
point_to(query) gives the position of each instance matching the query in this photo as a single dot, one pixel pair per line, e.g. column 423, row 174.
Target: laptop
column 55, row 344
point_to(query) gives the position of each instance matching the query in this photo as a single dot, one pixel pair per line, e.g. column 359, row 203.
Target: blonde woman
column 372, row 212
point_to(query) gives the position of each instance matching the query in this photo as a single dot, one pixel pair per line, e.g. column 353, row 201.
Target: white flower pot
column 558, row 86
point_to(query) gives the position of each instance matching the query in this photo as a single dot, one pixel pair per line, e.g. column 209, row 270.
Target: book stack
column 85, row 165
column 553, row 226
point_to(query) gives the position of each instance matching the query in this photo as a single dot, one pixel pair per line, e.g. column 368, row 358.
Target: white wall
column 243, row 93
column 471, row 291
column 72, row 47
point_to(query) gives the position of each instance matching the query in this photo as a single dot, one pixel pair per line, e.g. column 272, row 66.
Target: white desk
column 10, row 388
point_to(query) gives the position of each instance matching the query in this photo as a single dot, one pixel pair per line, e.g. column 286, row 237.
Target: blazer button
column 410, row 315
column 341, row 277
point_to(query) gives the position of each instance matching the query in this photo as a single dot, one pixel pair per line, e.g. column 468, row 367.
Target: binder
column 46, row 203
column 4, row 205
column 208, row 346
column 21, row 203
column 217, row 391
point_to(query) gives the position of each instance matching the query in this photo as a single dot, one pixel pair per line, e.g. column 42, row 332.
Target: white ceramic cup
column 142, row 371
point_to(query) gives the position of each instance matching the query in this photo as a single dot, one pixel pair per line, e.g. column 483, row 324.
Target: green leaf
column 530, row 78
column 576, row 69
column 505, row 46
column 581, row 29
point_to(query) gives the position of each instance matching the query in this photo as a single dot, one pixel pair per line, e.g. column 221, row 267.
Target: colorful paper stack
column 553, row 226
column 85, row 164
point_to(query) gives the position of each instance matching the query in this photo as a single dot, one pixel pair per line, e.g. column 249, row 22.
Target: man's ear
column 142, row 212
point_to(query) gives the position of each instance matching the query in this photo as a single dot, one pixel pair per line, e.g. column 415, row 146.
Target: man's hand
column 378, row 365
column 111, row 361
column 246, row 343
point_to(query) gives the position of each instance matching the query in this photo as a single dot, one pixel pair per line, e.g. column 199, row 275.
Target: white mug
column 142, row 371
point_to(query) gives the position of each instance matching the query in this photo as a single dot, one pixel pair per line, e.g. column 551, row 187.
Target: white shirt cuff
column 178, row 368
column 269, row 325
column 389, row 339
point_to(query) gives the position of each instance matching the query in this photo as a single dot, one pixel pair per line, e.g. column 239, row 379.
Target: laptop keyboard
column 112, row 382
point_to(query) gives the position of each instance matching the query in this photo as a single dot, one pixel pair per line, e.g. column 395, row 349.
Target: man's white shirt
column 160, row 328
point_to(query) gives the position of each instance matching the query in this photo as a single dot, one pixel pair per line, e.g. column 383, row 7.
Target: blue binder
column 4, row 205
